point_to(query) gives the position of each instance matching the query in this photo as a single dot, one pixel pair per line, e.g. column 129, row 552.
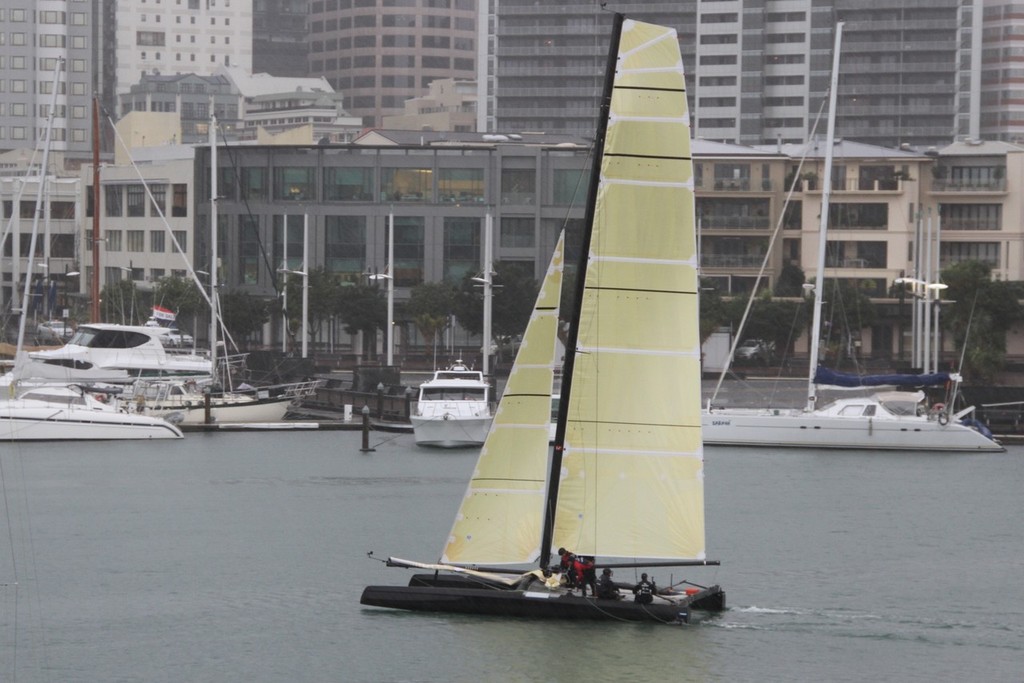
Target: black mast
column 581, row 272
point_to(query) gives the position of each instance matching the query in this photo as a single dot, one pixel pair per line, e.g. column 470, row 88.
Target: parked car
column 754, row 350
column 179, row 338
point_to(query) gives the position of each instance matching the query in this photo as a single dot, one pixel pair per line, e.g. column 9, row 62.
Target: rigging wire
column 767, row 256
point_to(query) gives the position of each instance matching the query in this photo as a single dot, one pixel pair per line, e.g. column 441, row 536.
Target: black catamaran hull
column 536, row 604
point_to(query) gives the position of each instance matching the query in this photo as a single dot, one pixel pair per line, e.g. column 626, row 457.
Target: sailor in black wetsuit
column 644, row 591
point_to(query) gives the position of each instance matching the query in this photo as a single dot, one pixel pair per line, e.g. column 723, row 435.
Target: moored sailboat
column 624, row 481
column 880, row 421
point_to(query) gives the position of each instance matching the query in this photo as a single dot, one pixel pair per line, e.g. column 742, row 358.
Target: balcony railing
column 956, row 185
column 734, row 222
column 731, row 260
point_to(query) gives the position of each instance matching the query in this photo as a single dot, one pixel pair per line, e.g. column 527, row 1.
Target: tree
column 513, row 297
column 180, row 295
column 790, row 281
column 362, row 308
column 324, row 301
column 244, row 315
column 121, row 302
column 774, row 321
column 847, row 310
column 713, row 312
column 429, row 306
column 979, row 312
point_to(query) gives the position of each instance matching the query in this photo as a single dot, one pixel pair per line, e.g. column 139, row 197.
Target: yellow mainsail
column 499, row 521
column 631, row 483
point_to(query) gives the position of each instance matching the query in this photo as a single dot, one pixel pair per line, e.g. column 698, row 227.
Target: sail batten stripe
column 685, row 184
column 646, row 261
column 653, row 454
column 695, row 353
column 679, row 292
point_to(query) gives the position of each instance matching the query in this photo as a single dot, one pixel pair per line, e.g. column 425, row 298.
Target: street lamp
column 305, row 303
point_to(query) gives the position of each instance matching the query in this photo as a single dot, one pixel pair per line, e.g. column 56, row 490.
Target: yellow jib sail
column 632, row 472
column 499, row 521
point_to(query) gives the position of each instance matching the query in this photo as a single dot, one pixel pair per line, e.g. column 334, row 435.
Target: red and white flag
column 161, row 313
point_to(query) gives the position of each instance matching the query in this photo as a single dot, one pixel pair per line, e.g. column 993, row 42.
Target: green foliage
column 775, row 321
column 713, row 312
column 324, row 300
column 363, row 308
column 979, row 312
column 429, row 306
column 180, row 295
column 511, row 303
column 244, row 315
column 121, row 302
column 790, row 281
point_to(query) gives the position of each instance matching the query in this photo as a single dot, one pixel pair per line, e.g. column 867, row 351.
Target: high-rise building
column 164, row 37
column 280, row 37
column 758, row 70
column 380, row 53
column 40, row 41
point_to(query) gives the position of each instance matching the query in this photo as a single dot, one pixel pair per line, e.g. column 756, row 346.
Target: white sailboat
column 880, row 421
column 453, row 409
column 624, row 480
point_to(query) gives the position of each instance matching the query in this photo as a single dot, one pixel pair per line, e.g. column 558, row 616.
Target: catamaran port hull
column 539, row 603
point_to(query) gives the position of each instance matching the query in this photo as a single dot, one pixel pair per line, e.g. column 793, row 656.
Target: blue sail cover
column 841, row 379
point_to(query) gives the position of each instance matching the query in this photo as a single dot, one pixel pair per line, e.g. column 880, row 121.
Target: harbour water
column 241, row 557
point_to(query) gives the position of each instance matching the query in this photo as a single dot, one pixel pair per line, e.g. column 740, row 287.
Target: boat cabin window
column 60, row 398
column 856, row 410
column 455, row 374
column 110, row 339
column 453, row 394
column 68, row 363
column 901, row 407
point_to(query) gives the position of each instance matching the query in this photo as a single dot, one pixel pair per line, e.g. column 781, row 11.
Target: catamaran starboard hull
column 538, row 604
column 21, row 425
column 796, row 429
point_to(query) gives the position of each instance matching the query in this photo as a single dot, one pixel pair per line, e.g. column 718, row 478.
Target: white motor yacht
column 454, row 409
column 119, row 354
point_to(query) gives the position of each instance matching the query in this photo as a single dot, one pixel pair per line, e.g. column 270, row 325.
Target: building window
column 136, row 201
column 113, row 240
column 294, row 183
column 518, row 185
column 181, row 238
column 461, row 248
column 113, row 195
column 348, row 184
column 517, row 233
column 461, row 185
column 248, row 249
column 408, row 270
column 569, row 187
column 294, row 241
column 158, row 205
column 179, row 207
column 406, row 184
column 157, row 241
column 254, row 183
column 136, row 240
column 345, row 247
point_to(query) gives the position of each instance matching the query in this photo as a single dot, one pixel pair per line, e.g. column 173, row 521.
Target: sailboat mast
column 95, row 283
column 213, row 242
column 581, row 270
column 826, row 191
column 40, row 189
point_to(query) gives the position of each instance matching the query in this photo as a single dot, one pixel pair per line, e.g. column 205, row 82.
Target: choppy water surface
column 242, row 556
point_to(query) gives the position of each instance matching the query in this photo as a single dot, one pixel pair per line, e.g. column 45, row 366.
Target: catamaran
column 623, row 482
column 879, row 421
